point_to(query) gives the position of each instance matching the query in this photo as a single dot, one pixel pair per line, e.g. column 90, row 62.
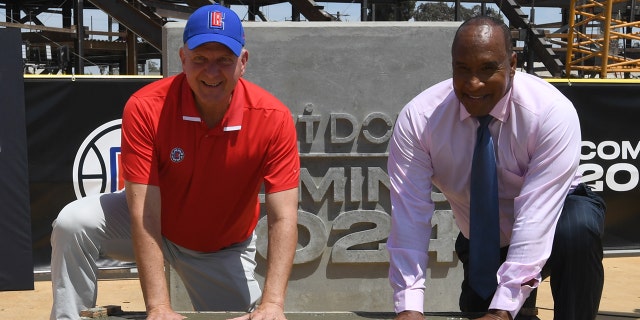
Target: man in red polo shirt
column 196, row 150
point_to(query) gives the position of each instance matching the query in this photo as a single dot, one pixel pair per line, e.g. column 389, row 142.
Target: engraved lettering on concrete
column 333, row 176
column 356, row 184
column 343, row 118
column 309, row 121
column 361, row 234
column 341, row 252
column 317, row 239
column 376, row 176
column 446, row 232
column 443, row 236
column 367, row 133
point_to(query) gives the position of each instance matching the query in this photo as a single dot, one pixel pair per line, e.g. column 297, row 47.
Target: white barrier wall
column 345, row 84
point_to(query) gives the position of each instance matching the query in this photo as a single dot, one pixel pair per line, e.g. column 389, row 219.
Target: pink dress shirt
column 537, row 139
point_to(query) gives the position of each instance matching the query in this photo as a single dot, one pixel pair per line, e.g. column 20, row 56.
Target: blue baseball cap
column 214, row 23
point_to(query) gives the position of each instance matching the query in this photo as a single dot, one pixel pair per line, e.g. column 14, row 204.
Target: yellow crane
column 601, row 37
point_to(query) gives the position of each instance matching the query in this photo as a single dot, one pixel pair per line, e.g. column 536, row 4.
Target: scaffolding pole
column 598, row 52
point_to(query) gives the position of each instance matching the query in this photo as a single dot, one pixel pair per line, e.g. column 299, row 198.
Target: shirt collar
column 500, row 111
column 232, row 120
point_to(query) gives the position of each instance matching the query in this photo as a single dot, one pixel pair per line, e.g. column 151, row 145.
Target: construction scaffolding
column 603, row 38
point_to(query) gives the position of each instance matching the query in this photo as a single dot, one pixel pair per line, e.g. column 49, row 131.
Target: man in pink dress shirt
column 550, row 222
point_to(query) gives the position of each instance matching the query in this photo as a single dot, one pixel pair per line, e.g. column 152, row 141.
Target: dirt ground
column 620, row 300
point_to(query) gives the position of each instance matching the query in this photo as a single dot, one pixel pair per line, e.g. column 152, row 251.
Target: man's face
column 482, row 71
column 212, row 71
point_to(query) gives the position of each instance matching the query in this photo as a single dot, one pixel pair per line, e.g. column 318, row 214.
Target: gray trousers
column 99, row 226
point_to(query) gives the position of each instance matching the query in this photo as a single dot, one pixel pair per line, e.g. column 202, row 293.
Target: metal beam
column 79, row 46
column 537, row 41
column 132, row 54
column 148, row 26
column 170, row 10
column 593, row 52
column 311, row 10
column 198, row 3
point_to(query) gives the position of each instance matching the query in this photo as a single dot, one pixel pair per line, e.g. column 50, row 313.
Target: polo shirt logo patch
column 177, row 155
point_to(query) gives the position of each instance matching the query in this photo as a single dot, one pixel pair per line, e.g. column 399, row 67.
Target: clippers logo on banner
column 96, row 168
column 216, row 20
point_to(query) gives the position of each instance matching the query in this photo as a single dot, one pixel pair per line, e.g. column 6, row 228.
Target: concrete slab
column 345, row 84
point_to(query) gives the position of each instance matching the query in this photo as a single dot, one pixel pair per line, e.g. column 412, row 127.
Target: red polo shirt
column 209, row 178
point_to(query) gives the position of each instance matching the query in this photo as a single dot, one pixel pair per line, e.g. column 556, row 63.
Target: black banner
column 608, row 110
column 15, row 224
column 73, row 147
column 61, row 113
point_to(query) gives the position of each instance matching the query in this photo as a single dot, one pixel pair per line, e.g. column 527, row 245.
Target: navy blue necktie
column 484, row 237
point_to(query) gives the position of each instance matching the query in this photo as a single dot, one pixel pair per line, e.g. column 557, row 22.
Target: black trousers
column 575, row 264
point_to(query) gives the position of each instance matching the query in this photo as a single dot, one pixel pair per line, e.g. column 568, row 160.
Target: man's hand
column 496, row 315
column 163, row 312
column 409, row 315
column 265, row 311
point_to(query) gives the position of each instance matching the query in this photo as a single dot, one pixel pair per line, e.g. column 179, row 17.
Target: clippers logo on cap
column 216, row 20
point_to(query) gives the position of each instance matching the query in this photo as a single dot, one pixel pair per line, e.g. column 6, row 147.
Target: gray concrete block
column 345, row 83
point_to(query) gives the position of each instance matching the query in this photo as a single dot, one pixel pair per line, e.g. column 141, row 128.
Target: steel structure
column 66, row 49
column 601, row 37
